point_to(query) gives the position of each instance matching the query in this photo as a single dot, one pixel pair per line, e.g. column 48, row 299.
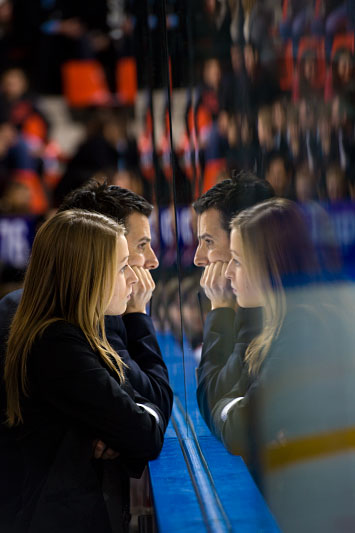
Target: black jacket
column 74, row 399
column 225, row 339
column 146, row 373
column 133, row 337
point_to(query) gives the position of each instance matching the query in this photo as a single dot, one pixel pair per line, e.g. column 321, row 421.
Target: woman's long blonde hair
column 69, row 277
column 276, row 244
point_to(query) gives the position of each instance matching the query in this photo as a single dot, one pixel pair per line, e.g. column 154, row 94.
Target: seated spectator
column 259, row 87
column 330, row 146
column 278, row 173
column 337, row 187
column 305, row 185
column 211, row 23
column 16, row 199
column 266, row 138
column 294, row 139
column 17, row 164
column 258, row 20
column 107, row 145
column 243, row 152
column 308, row 129
column 24, row 112
column 209, row 89
column 231, row 94
column 342, row 80
column 69, row 32
column 306, row 82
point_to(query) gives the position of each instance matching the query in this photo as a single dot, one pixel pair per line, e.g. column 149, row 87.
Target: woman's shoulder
column 59, row 327
column 63, row 346
column 61, row 335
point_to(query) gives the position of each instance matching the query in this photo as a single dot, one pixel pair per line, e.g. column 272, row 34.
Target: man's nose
column 151, row 262
column 200, row 259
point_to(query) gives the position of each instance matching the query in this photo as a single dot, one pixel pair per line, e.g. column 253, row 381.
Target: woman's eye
column 123, row 269
column 236, row 262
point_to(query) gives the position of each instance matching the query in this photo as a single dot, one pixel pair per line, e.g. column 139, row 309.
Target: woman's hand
column 101, row 451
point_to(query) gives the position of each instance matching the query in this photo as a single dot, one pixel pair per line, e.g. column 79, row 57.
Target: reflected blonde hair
column 275, row 243
column 69, row 277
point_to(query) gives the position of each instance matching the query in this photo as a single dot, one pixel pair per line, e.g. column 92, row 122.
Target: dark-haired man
column 227, row 333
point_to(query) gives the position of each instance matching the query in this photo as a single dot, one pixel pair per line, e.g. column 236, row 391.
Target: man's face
column 138, row 240
column 213, row 239
column 278, row 177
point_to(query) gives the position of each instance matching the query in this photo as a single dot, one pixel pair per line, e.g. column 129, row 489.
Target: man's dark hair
column 109, row 200
column 233, row 195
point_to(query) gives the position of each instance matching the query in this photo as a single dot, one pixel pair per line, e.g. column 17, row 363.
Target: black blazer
column 134, row 339
column 74, row 399
column 226, row 337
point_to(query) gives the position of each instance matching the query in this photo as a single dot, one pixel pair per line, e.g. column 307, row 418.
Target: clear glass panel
column 268, row 87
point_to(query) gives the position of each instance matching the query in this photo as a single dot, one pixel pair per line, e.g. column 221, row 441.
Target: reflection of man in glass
column 226, row 332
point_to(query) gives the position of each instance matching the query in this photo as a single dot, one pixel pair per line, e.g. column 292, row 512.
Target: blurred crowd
column 269, row 87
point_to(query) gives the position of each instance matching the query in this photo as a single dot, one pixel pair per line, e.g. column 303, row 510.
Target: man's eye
column 142, row 246
column 208, row 242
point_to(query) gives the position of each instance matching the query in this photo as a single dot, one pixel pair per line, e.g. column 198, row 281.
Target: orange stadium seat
column 126, row 80
column 84, row 83
column 212, row 169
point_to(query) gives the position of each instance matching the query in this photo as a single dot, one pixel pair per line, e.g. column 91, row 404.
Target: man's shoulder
column 8, row 306
column 11, row 299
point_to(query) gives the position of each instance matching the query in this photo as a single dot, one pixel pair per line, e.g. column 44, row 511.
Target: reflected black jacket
column 225, row 339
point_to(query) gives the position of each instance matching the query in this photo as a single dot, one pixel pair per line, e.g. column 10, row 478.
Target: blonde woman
column 290, row 413
column 65, row 385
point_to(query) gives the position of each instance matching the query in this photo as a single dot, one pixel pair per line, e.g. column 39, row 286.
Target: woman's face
column 246, row 291
column 123, row 281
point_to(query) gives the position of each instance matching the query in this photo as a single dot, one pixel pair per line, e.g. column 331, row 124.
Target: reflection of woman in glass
column 65, row 385
column 290, row 412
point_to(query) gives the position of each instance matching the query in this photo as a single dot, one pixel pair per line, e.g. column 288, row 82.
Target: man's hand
column 142, row 291
column 217, row 286
column 102, row 452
